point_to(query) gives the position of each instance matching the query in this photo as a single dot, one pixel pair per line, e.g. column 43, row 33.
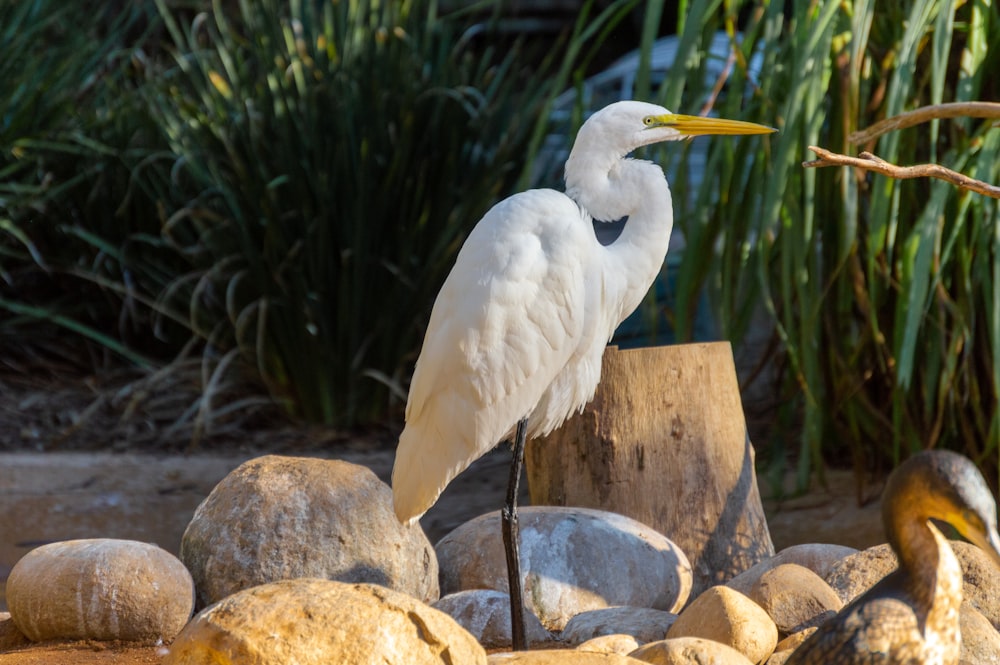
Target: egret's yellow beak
column 694, row 125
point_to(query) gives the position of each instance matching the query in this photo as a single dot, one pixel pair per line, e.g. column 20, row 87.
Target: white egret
column 517, row 332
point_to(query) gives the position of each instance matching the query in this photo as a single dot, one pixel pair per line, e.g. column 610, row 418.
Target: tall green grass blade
column 78, row 328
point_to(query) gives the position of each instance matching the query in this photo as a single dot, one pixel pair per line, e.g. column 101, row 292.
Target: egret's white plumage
column 520, row 325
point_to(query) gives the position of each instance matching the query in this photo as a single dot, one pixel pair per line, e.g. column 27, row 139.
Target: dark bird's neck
column 932, row 575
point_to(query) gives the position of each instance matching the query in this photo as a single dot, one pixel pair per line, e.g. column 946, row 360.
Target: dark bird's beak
column 985, row 538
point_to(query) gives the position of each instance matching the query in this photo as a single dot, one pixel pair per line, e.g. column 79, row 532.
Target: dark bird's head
column 945, row 486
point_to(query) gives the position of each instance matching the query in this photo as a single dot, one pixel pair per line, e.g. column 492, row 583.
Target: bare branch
column 870, row 162
column 924, row 114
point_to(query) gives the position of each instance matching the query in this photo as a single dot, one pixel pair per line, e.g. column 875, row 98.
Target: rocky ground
column 58, row 480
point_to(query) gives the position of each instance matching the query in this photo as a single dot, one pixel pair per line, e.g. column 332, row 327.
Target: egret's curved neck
column 615, row 188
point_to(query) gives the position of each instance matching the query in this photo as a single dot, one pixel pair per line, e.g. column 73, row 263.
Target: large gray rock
column 276, row 518
column 572, row 560
column 318, row 622
column 485, row 613
column 99, row 589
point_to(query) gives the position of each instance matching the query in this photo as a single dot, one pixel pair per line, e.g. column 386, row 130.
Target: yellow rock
column 318, row 622
column 617, row 643
column 560, row 657
column 727, row 616
column 689, row 651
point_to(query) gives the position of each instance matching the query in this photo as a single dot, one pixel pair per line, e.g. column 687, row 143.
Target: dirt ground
column 79, row 459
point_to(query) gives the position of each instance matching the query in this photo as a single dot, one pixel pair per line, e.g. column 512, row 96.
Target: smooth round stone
column 856, row 573
column 100, row 589
column 725, row 615
column 643, row 623
column 981, row 579
column 817, row 557
column 572, row 560
column 319, row 622
column 980, row 640
column 689, row 651
column 618, row 643
column 795, row 597
column 486, row 614
column 560, row 657
column 276, row 517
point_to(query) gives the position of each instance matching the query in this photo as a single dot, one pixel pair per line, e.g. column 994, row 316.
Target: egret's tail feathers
column 410, row 499
column 426, row 461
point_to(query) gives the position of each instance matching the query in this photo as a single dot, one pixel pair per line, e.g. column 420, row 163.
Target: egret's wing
column 504, row 324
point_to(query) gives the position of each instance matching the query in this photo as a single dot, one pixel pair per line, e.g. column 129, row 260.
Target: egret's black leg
column 508, row 519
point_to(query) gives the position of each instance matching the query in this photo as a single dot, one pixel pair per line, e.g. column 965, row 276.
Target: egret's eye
column 648, row 121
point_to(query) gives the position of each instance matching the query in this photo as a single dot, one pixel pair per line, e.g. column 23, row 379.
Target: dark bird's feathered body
column 912, row 616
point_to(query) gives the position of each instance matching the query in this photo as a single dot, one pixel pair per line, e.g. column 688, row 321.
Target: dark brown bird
column 911, row 616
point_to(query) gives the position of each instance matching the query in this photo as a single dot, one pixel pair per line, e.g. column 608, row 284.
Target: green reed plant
column 326, row 159
column 63, row 118
column 881, row 292
column 264, row 185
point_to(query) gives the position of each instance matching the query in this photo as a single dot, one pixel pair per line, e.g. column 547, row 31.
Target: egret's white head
column 595, row 173
column 622, row 127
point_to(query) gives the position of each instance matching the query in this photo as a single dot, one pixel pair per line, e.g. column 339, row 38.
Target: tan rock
column 793, row 641
column 981, row 580
column 486, row 614
column 318, row 622
column 727, row 616
column 856, row 573
column 980, row 640
column 276, row 517
column 795, row 597
column 572, row 560
column 620, row 644
column 689, row 651
column 787, row 646
column 779, row 657
column 645, row 624
column 99, row 589
column 560, row 657
column 817, row 557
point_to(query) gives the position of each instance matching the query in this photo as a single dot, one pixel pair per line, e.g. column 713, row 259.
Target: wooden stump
column 664, row 442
